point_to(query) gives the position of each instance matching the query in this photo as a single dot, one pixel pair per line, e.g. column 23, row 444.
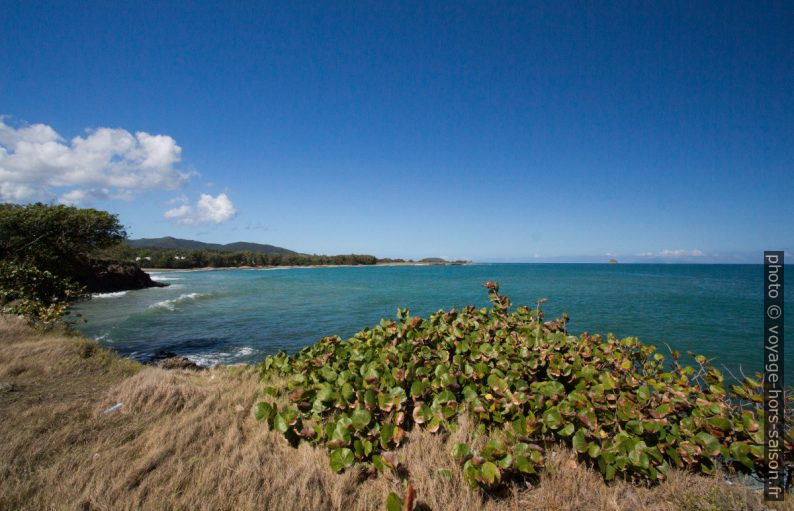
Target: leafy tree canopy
column 55, row 238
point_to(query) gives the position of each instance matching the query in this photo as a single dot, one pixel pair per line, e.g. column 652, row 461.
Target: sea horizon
column 227, row 316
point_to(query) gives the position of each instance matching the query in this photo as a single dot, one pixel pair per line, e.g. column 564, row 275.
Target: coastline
column 294, row 266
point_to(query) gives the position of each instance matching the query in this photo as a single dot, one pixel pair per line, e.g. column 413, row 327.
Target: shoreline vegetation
column 175, row 253
column 169, row 259
column 184, row 439
column 294, row 266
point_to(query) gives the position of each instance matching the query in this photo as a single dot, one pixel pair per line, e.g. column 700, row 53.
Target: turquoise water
column 242, row 315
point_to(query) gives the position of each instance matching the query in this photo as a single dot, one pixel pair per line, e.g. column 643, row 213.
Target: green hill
column 171, row 243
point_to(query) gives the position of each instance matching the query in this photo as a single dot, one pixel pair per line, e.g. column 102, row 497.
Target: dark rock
column 179, row 363
column 161, row 355
column 170, row 360
column 112, row 276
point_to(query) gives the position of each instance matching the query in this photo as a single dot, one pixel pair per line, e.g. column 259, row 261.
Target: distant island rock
column 612, row 261
column 439, row 260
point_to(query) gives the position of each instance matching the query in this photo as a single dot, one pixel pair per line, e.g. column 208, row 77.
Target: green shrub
column 528, row 385
column 45, row 253
column 37, row 294
column 58, row 239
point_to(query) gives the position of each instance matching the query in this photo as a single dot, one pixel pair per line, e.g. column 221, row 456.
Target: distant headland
column 183, row 254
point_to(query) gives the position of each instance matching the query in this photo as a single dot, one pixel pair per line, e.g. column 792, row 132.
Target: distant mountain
column 171, row 243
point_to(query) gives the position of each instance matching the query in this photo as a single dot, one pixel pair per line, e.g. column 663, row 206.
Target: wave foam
column 103, row 338
column 222, row 357
column 158, row 278
column 117, row 294
column 172, row 303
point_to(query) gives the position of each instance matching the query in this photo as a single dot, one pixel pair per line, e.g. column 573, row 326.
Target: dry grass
column 186, row 440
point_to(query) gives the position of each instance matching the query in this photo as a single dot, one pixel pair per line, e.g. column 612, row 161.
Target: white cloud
column 36, row 163
column 181, row 199
column 77, row 196
column 179, row 212
column 673, row 253
column 208, row 209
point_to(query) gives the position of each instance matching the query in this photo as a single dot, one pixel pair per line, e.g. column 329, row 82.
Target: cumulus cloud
column 208, row 209
column 673, row 253
column 36, row 163
column 77, row 196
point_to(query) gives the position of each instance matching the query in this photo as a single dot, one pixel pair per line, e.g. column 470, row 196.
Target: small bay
column 233, row 316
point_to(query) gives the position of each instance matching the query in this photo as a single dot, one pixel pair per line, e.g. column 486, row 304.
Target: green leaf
column 325, row 393
column 663, row 410
column 341, row 459
column 263, row 411
column 524, row 465
column 340, row 437
column 378, row 463
column 417, row 388
column 567, row 430
column 490, row 472
column 638, row 458
column 494, row 448
column 422, row 414
column 552, row 418
column 709, row 443
column 579, row 441
column 393, row 502
column 460, row 451
column 348, row 393
column 634, row 426
column 721, row 423
column 386, row 435
column 280, row 423
column 361, row 419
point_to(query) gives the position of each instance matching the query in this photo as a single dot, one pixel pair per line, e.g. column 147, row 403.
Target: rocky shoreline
column 113, row 276
column 170, row 360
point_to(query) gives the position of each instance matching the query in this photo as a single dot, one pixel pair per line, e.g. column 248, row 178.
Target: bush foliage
column 55, row 238
column 45, row 254
column 621, row 405
column 34, row 293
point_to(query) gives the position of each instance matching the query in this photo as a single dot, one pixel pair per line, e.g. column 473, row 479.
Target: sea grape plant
column 39, row 295
column 528, row 384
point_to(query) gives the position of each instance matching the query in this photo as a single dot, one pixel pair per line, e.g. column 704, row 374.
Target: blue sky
column 487, row 131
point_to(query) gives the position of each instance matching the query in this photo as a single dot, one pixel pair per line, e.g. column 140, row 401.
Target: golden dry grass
column 186, row 440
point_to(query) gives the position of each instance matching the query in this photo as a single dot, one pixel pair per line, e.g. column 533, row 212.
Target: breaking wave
column 222, row 357
column 173, row 302
column 158, row 278
column 117, row 294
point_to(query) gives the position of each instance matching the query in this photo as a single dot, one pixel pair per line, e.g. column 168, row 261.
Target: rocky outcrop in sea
column 112, row 276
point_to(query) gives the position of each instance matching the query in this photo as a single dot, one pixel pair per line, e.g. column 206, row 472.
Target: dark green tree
column 58, row 239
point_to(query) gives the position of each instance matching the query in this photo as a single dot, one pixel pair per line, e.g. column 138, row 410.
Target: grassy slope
column 188, row 441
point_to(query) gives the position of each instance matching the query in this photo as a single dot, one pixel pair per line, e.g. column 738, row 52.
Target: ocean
column 233, row 316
